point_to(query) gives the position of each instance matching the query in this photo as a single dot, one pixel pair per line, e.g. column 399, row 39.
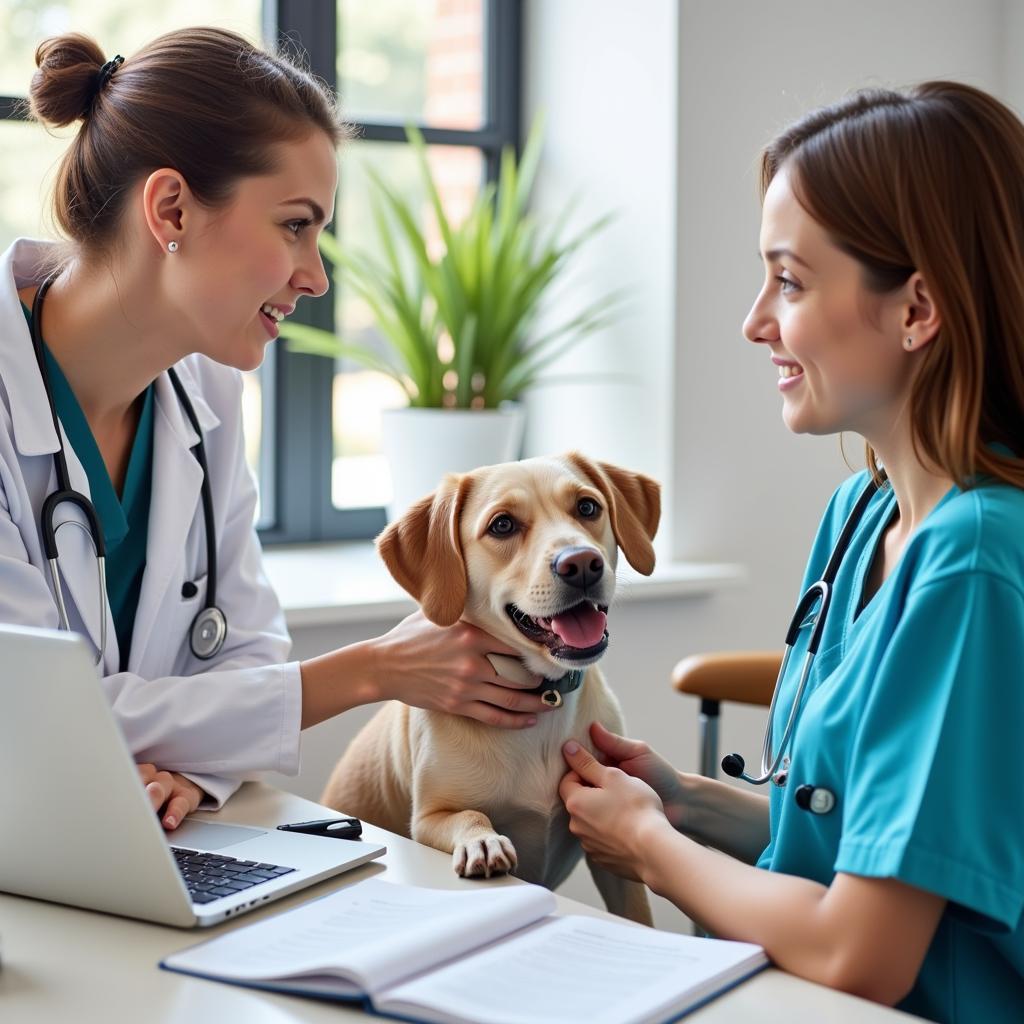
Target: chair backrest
column 746, row 677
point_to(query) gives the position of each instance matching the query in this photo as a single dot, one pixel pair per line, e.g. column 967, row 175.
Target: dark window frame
column 297, row 482
column 295, row 470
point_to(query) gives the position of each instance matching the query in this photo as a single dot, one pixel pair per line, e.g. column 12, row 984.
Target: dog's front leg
column 621, row 896
column 476, row 848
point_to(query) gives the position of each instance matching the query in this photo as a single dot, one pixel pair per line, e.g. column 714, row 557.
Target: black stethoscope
column 812, row 610
column 209, row 628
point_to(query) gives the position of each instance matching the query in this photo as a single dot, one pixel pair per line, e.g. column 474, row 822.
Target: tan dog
column 526, row 551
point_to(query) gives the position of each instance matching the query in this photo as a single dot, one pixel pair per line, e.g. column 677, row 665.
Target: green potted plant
column 460, row 325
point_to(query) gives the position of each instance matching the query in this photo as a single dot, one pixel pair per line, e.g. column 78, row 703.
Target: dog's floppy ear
column 423, row 552
column 634, row 507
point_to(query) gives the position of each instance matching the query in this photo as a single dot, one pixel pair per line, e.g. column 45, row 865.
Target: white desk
column 62, row 964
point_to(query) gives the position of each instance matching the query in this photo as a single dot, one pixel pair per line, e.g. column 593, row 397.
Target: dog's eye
column 588, row 508
column 502, row 526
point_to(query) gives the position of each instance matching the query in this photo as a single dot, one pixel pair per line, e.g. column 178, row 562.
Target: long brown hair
column 932, row 179
column 203, row 101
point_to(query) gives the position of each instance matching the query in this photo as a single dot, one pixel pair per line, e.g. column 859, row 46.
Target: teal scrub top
column 914, row 718
column 125, row 519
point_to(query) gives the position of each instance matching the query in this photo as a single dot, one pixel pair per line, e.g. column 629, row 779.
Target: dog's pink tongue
column 582, row 626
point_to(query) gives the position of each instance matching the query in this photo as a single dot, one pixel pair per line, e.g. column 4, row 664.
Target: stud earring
column 909, row 344
column 172, row 246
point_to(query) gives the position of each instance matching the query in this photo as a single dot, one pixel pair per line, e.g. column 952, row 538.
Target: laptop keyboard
column 210, row 876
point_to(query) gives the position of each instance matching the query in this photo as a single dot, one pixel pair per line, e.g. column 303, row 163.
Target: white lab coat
column 218, row 721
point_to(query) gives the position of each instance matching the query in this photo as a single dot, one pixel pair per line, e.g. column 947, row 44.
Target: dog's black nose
column 579, row 567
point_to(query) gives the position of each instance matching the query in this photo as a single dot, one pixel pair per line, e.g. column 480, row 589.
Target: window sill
column 342, row 583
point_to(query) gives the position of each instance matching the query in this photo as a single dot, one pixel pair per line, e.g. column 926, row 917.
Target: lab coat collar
column 168, row 404
column 31, row 422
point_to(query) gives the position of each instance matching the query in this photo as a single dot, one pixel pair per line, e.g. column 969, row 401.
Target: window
column 28, row 155
column 450, row 66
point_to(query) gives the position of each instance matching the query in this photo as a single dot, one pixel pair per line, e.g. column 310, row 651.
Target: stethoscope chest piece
column 816, row 799
column 209, row 629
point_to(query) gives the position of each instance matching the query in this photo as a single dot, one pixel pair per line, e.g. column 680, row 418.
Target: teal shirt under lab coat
column 125, row 519
column 914, row 718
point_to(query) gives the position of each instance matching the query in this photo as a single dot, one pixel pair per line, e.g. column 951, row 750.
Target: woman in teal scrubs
column 893, row 305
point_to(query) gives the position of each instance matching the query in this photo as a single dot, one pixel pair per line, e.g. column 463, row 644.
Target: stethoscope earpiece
column 733, row 765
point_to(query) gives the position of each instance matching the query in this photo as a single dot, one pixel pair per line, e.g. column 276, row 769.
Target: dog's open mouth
column 576, row 634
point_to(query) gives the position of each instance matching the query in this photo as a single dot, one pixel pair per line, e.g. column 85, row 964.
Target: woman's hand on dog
column 636, row 758
column 445, row 668
column 610, row 812
column 172, row 795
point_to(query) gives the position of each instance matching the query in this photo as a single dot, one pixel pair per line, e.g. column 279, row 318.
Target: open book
column 495, row 955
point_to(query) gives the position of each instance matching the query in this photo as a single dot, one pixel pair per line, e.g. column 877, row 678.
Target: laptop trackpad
column 204, row 836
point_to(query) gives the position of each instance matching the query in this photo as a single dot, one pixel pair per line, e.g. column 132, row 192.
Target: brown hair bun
column 65, row 84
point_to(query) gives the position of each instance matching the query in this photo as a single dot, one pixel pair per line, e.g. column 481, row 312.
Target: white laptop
column 77, row 827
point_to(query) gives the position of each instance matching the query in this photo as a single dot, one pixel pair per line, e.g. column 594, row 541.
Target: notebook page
column 373, row 932
column 576, row 970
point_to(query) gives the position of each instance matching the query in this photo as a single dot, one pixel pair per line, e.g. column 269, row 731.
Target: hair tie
column 107, row 70
column 103, row 76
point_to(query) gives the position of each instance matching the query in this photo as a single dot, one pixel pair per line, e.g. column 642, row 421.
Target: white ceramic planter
column 422, row 445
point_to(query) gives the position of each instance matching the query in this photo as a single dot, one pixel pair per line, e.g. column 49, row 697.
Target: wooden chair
column 746, row 677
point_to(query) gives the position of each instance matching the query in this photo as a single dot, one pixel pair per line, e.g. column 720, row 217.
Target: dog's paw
column 483, row 857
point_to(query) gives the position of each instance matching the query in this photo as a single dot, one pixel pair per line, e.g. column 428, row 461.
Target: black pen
column 332, row 828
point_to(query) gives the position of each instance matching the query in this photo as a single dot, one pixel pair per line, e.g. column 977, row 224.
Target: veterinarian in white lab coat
column 192, row 229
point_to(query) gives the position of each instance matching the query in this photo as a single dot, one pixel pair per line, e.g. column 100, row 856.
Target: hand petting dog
column 446, row 668
column 610, row 812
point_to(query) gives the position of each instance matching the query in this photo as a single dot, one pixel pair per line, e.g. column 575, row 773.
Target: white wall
column 659, row 110
column 1009, row 68
column 744, row 488
column 604, row 79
